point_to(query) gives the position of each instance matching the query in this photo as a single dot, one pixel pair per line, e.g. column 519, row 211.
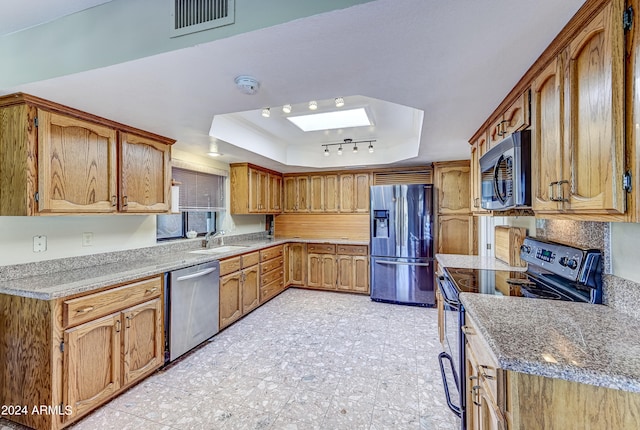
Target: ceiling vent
column 191, row 16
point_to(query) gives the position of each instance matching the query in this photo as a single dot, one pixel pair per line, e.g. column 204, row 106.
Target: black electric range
column 555, row 271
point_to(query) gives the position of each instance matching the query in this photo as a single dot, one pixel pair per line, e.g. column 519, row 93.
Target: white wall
column 64, row 235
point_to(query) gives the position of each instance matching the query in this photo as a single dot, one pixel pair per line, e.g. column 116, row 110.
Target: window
column 201, row 198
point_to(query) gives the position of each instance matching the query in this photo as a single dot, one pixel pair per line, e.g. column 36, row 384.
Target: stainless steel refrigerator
column 402, row 244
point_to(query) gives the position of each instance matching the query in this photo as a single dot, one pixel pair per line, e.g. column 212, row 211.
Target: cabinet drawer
column 268, row 266
column 268, row 278
column 250, row 259
column 230, row 265
column 269, row 290
column 353, row 250
column 487, row 366
column 321, row 248
column 269, row 253
column 92, row 306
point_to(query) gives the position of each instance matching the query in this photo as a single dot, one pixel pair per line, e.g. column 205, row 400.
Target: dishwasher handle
column 196, row 275
column 402, row 263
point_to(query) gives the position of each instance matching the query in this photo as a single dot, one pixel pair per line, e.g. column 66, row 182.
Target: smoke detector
column 247, row 84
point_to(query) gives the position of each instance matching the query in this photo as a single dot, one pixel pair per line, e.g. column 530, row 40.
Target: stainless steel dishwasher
column 192, row 305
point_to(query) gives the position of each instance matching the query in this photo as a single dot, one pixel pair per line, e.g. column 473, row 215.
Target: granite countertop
column 64, row 283
column 475, row 262
column 580, row 342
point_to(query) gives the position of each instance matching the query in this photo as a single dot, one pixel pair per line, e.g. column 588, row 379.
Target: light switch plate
column 39, row 243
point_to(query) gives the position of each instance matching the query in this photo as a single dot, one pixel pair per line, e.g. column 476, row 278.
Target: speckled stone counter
column 590, row 344
column 475, row 262
column 50, row 283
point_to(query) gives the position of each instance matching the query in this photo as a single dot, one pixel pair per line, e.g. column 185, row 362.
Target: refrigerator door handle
column 401, row 263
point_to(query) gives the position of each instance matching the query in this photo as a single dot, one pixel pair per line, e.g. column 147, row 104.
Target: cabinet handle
column 485, row 375
column 84, row 310
column 152, row 290
column 469, row 331
column 114, row 200
column 475, row 394
column 125, row 201
column 551, row 198
column 476, row 202
column 118, row 326
column 128, row 325
column 561, row 190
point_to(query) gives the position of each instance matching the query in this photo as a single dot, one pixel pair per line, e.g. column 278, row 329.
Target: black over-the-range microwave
column 505, row 173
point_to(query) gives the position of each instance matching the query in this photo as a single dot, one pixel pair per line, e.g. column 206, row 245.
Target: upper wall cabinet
column 255, row 190
column 327, row 192
column 58, row 160
column 515, row 117
column 478, row 149
column 578, row 125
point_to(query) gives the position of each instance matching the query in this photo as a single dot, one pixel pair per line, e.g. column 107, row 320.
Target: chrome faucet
column 211, row 235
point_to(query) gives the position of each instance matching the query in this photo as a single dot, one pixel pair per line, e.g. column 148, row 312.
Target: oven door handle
column 445, row 294
column 441, row 357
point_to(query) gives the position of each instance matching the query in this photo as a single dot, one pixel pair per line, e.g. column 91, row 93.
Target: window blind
column 199, row 192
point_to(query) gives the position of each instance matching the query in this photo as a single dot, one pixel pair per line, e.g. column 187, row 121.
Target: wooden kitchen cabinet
column 239, row 287
column 578, row 148
column 58, row 160
column 478, row 149
column 316, row 185
column 297, row 264
column 354, row 192
column 254, row 189
column 516, row 117
column 352, row 262
column 272, row 272
column 322, row 271
column 145, row 174
column 296, row 193
column 456, row 228
column 78, row 352
column 324, row 193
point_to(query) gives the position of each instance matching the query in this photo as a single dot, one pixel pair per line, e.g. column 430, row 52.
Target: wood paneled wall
column 323, row 226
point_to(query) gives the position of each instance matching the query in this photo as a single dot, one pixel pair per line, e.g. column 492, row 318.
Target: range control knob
column 525, row 248
column 567, row 262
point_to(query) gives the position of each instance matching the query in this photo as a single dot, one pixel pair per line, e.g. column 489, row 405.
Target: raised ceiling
column 455, row 61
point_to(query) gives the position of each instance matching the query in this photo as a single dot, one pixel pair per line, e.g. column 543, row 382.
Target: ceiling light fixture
column 266, row 112
column 286, row 108
column 347, row 142
column 213, row 150
column 313, row 105
column 339, row 102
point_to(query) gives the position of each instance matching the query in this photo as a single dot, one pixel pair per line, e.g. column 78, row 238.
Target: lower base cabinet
column 501, row 399
column 338, row 267
column 239, row 287
column 272, row 272
column 74, row 354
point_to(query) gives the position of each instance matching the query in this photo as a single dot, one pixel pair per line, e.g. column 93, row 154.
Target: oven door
column 449, row 360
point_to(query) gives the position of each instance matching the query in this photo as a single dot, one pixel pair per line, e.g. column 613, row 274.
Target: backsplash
column 618, row 293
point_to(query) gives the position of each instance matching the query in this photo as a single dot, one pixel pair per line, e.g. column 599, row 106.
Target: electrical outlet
column 39, row 243
column 87, row 239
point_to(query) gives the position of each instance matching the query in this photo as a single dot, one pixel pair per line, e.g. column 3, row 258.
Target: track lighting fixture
column 286, row 108
column 347, row 142
column 339, row 102
column 266, row 112
column 313, row 105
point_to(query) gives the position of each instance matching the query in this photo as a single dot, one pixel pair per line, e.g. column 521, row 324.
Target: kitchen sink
column 220, row 249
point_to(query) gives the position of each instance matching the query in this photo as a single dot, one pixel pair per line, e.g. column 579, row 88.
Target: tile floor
column 305, row 360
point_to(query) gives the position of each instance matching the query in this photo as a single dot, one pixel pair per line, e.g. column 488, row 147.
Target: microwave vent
column 191, row 16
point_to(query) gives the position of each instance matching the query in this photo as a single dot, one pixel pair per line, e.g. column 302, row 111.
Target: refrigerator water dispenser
column 380, row 223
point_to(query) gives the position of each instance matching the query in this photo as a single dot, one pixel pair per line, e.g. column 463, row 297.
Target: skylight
column 331, row 120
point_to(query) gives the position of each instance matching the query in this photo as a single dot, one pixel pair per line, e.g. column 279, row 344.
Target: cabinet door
column 297, row 263
column 230, row 298
column 331, row 191
column 77, row 165
column 594, row 115
column 258, row 190
column 250, row 289
column 314, row 277
column 143, row 347
column 290, row 194
column 275, row 193
column 345, row 272
column 456, row 234
column 547, row 144
column 478, row 149
column 361, row 193
column 328, row 271
column 347, row 190
column 517, row 116
column 303, row 194
column 317, row 184
column 360, row 274
column 145, row 182
column 91, row 368
column 453, row 189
